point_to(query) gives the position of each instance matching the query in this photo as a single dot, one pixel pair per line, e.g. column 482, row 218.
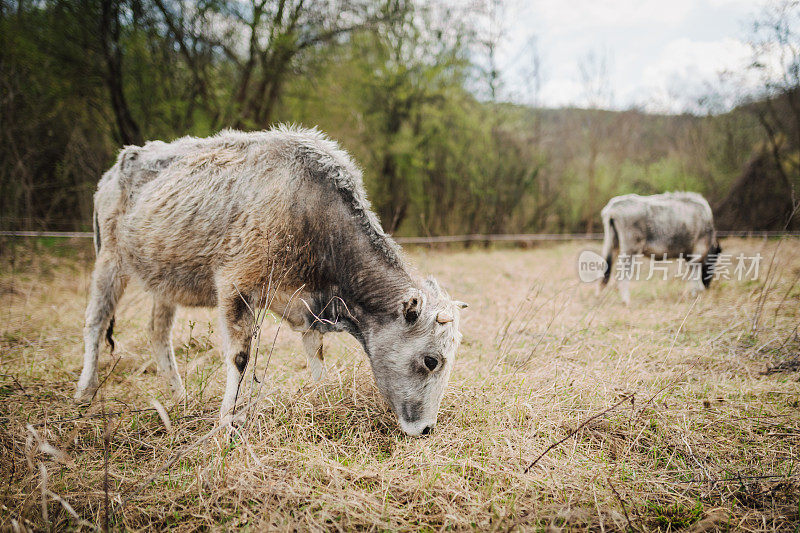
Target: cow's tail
column 610, row 241
column 96, row 226
column 109, row 333
column 97, row 245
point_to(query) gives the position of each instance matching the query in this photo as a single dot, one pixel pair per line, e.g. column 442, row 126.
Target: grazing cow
column 668, row 225
column 217, row 221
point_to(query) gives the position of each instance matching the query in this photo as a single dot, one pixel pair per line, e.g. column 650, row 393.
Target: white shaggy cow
column 212, row 222
column 668, row 225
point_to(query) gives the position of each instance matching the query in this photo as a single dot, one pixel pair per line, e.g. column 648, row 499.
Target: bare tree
column 775, row 45
column 274, row 36
column 280, row 32
column 110, row 30
column 490, row 41
column 597, row 92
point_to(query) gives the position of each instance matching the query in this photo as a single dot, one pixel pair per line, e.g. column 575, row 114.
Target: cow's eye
column 431, row 362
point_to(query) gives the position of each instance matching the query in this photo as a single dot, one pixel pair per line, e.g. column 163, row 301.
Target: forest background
column 411, row 89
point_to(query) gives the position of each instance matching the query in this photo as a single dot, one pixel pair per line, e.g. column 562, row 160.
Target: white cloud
column 703, row 57
column 686, row 70
column 561, row 92
column 750, row 4
column 664, row 55
column 580, row 15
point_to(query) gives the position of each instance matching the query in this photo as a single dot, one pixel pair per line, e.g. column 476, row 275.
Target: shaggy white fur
column 213, row 222
column 666, row 225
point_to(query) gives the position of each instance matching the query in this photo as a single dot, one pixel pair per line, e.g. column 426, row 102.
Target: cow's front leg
column 161, row 320
column 695, row 279
column 625, row 290
column 624, row 279
column 698, row 270
column 312, row 343
column 236, row 327
column 626, row 262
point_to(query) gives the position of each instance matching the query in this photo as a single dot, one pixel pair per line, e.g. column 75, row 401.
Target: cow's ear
column 412, row 307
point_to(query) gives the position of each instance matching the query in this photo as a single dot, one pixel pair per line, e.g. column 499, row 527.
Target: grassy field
column 704, row 433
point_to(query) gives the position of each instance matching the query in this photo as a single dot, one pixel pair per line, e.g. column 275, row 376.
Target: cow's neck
column 362, row 292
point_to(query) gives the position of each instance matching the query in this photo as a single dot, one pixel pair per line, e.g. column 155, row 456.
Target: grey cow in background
column 219, row 221
column 668, row 225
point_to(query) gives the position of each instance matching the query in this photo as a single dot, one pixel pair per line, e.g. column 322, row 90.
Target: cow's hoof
column 178, row 395
column 84, row 395
column 317, row 369
column 177, row 389
column 233, row 423
column 694, row 292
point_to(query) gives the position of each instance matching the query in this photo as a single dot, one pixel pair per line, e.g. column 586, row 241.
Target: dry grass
column 708, row 441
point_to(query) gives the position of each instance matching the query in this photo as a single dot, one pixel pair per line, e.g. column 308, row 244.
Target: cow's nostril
column 427, row 430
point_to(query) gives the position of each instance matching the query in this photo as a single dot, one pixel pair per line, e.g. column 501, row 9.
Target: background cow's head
column 412, row 355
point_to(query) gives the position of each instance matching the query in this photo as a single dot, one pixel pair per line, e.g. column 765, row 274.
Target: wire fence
column 538, row 237
column 453, row 239
column 63, row 234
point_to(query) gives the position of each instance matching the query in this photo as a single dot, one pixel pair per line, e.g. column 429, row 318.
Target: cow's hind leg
column 609, row 242
column 625, row 260
column 161, row 321
column 236, row 327
column 312, row 342
column 108, row 284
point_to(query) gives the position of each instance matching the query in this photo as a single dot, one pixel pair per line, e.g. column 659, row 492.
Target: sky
column 660, row 55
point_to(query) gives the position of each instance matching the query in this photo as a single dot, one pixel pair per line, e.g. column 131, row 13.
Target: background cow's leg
column 107, row 287
column 710, row 263
column 161, row 320
column 312, row 342
column 236, row 326
column 624, row 284
column 699, row 255
column 609, row 239
column 625, row 263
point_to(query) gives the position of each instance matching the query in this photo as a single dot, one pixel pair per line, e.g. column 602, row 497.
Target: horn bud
column 443, row 318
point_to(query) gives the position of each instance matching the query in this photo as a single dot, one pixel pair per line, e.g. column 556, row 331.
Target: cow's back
column 670, row 223
column 187, row 209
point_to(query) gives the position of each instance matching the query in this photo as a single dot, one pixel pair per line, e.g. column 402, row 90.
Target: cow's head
column 413, row 354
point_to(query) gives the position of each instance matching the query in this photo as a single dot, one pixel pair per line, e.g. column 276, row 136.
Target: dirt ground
column 702, row 433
